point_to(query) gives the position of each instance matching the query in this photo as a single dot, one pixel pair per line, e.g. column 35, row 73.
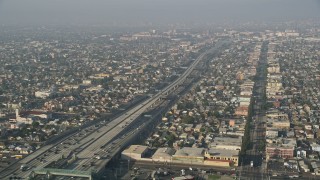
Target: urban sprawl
column 251, row 109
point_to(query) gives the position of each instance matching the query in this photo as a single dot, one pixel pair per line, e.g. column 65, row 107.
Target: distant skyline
column 153, row 12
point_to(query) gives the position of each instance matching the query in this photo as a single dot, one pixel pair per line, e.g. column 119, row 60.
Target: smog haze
column 142, row 12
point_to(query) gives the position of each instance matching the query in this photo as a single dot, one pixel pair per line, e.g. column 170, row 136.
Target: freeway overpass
column 88, row 141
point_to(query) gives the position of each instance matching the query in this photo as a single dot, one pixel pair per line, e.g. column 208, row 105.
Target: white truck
column 183, row 172
column 251, row 164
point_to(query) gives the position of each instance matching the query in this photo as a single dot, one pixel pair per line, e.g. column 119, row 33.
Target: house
column 198, row 128
column 242, row 111
column 316, row 167
column 309, row 134
column 183, row 136
column 2, row 145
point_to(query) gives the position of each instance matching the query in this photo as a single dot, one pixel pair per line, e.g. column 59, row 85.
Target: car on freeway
column 98, row 157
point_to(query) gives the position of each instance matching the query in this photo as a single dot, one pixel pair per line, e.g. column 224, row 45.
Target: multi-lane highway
column 98, row 138
column 109, row 150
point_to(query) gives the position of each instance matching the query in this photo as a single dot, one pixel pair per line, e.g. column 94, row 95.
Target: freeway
column 99, row 153
column 86, row 142
column 115, row 146
column 42, row 153
column 109, row 150
column 103, row 148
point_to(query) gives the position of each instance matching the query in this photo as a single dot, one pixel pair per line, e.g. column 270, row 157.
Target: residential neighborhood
column 233, row 102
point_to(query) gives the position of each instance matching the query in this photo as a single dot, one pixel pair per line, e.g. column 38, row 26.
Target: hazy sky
column 152, row 11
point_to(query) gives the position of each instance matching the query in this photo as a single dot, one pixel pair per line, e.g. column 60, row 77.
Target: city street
column 257, row 132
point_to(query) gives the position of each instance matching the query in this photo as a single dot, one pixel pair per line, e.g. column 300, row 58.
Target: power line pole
column 128, row 164
column 241, row 169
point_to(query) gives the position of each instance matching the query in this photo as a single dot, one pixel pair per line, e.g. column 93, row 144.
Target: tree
column 262, row 146
column 35, row 124
column 77, row 117
column 205, row 102
column 217, row 114
column 188, row 119
column 268, row 105
column 24, row 132
column 197, row 89
column 210, row 114
column 181, row 106
column 189, row 105
column 203, row 116
column 170, row 139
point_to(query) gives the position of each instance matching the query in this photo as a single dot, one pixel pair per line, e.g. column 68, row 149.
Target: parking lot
column 278, row 168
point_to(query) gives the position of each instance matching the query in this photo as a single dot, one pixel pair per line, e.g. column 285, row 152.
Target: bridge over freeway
column 49, row 172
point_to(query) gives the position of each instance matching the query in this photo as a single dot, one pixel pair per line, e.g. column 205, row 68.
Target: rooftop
column 189, row 151
column 283, row 143
column 223, row 152
column 227, row 141
column 137, row 149
column 163, row 152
